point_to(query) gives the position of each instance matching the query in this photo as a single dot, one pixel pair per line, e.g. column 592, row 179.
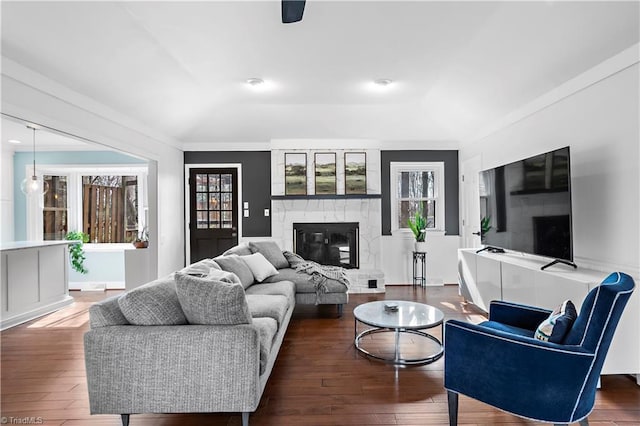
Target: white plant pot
column 421, row 246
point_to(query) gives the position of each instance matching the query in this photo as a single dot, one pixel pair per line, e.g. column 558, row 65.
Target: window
column 54, row 210
column 110, row 208
column 416, row 186
column 105, row 202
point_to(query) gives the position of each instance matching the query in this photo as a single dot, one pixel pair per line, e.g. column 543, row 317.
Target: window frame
column 395, row 170
column 74, row 175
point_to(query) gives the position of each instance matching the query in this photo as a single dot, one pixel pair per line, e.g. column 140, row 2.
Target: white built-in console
column 34, row 280
column 515, row 277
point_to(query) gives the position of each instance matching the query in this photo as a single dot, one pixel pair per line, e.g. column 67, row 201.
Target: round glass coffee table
column 409, row 317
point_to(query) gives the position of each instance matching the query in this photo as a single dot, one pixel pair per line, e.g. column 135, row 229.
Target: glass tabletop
column 410, row 315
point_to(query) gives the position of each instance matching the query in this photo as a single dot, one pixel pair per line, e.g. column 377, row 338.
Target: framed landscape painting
column 355, row 173
column 295, row 173
column 325, row 173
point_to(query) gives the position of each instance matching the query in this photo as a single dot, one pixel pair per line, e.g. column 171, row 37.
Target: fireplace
column 328, row 243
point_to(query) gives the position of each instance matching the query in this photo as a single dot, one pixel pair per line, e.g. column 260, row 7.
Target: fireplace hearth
column 328, row 243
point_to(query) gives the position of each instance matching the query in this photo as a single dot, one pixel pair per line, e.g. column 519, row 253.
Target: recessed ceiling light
column 14, row 141
column 253, row 82
column 383, row 81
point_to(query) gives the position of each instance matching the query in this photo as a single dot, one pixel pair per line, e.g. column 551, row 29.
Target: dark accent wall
column 451, row 208
column 256, row 184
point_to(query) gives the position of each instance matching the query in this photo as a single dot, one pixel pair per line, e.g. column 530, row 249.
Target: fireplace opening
column 328, row 243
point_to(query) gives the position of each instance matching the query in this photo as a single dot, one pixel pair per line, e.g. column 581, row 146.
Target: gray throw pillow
column 155, row 303
column 271, row 251
column 207, row 302
column 240, row 250
column 237, row 266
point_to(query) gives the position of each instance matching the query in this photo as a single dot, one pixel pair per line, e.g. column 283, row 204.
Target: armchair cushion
column 207, row 302
column 555, row 327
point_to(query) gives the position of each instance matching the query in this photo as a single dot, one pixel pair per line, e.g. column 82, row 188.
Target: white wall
column 597, row 116
column 35, row 98
column 442, row 258
column 6, row 193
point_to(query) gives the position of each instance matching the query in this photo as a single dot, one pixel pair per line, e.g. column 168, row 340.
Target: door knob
column 477, row 233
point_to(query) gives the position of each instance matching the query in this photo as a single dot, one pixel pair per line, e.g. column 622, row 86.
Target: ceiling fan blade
column 292, row 11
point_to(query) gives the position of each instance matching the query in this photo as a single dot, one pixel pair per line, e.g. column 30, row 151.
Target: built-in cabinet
column 34, row 280
column 514, row 277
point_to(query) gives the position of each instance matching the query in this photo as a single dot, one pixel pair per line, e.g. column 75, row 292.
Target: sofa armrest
column 497, row 367
column 517, row 315
column 173, row 369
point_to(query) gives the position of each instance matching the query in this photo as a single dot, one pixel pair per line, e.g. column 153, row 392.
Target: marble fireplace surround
column 366, row 210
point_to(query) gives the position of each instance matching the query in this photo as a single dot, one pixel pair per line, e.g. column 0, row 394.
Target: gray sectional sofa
column 200, row 340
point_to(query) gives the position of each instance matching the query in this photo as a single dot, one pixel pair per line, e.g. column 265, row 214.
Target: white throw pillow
column 260, row 266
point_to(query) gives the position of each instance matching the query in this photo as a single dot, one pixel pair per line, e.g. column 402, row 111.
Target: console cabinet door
column 488, row 279
column 518, row 284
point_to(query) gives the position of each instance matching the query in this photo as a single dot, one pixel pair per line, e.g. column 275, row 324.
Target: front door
column 213, row 211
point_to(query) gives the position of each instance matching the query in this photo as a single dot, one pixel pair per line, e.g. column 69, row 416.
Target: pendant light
column 34, row 186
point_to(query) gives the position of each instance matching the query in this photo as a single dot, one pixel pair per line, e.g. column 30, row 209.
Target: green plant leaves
column 76, row 251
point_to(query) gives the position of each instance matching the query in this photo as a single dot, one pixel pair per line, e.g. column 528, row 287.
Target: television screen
column 525, row 206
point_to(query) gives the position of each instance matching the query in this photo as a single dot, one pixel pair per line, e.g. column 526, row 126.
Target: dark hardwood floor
column 318, row 379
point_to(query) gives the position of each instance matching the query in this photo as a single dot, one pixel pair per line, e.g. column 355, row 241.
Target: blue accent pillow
column 557, row 325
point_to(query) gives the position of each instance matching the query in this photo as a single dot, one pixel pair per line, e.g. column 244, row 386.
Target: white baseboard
column 96, row 285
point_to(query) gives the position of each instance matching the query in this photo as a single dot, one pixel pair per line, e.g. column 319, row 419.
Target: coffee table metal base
column 396, row 358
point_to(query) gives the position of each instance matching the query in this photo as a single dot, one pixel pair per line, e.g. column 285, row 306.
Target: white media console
column 515, row 277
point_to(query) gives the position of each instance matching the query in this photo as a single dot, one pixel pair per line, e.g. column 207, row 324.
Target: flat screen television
column 525, row 206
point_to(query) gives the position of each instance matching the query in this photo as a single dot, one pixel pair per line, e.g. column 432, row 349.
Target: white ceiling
column 179, row 67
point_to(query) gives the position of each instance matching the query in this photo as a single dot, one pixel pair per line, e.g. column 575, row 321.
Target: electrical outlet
column 266, row 212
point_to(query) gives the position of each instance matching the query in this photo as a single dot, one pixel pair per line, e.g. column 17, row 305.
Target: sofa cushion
column 271, row 251
column 200, row 268
column 155, row 303
column 270, row 306
column 106, row 313
column 267, row 329
column 260, row 267
column 303, row 282
column 239, row 250
column 224, row 276
column 283, row 288
column 208, row 302
column 236, row 265
column 556, row 326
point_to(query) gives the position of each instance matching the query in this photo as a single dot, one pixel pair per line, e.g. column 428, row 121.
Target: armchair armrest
column 517, row 373
column 517, row 315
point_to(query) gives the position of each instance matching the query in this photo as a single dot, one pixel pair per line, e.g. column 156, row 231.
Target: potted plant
column 418, row 225
column 142, row 239
column 76, row 251
column 485, row 226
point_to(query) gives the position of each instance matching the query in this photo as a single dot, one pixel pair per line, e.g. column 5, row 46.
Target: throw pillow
column 200, row 268
column 555, row 327
column 271, row 252
column 239, row 250
column 224, row 276
column 207, row 302
column 260, row 266
column 236, row 265
column 155, row 303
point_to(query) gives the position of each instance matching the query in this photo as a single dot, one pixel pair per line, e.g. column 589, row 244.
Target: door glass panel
column 227, row 201
column 214, row 202
column 214, row 220
column 214, row 183
column 226, row 183
column 201, row 201
column 202, row 220
column 201, row 183
column 227, row 219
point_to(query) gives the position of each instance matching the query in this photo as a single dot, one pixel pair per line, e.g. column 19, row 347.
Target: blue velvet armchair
column 501, row 363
